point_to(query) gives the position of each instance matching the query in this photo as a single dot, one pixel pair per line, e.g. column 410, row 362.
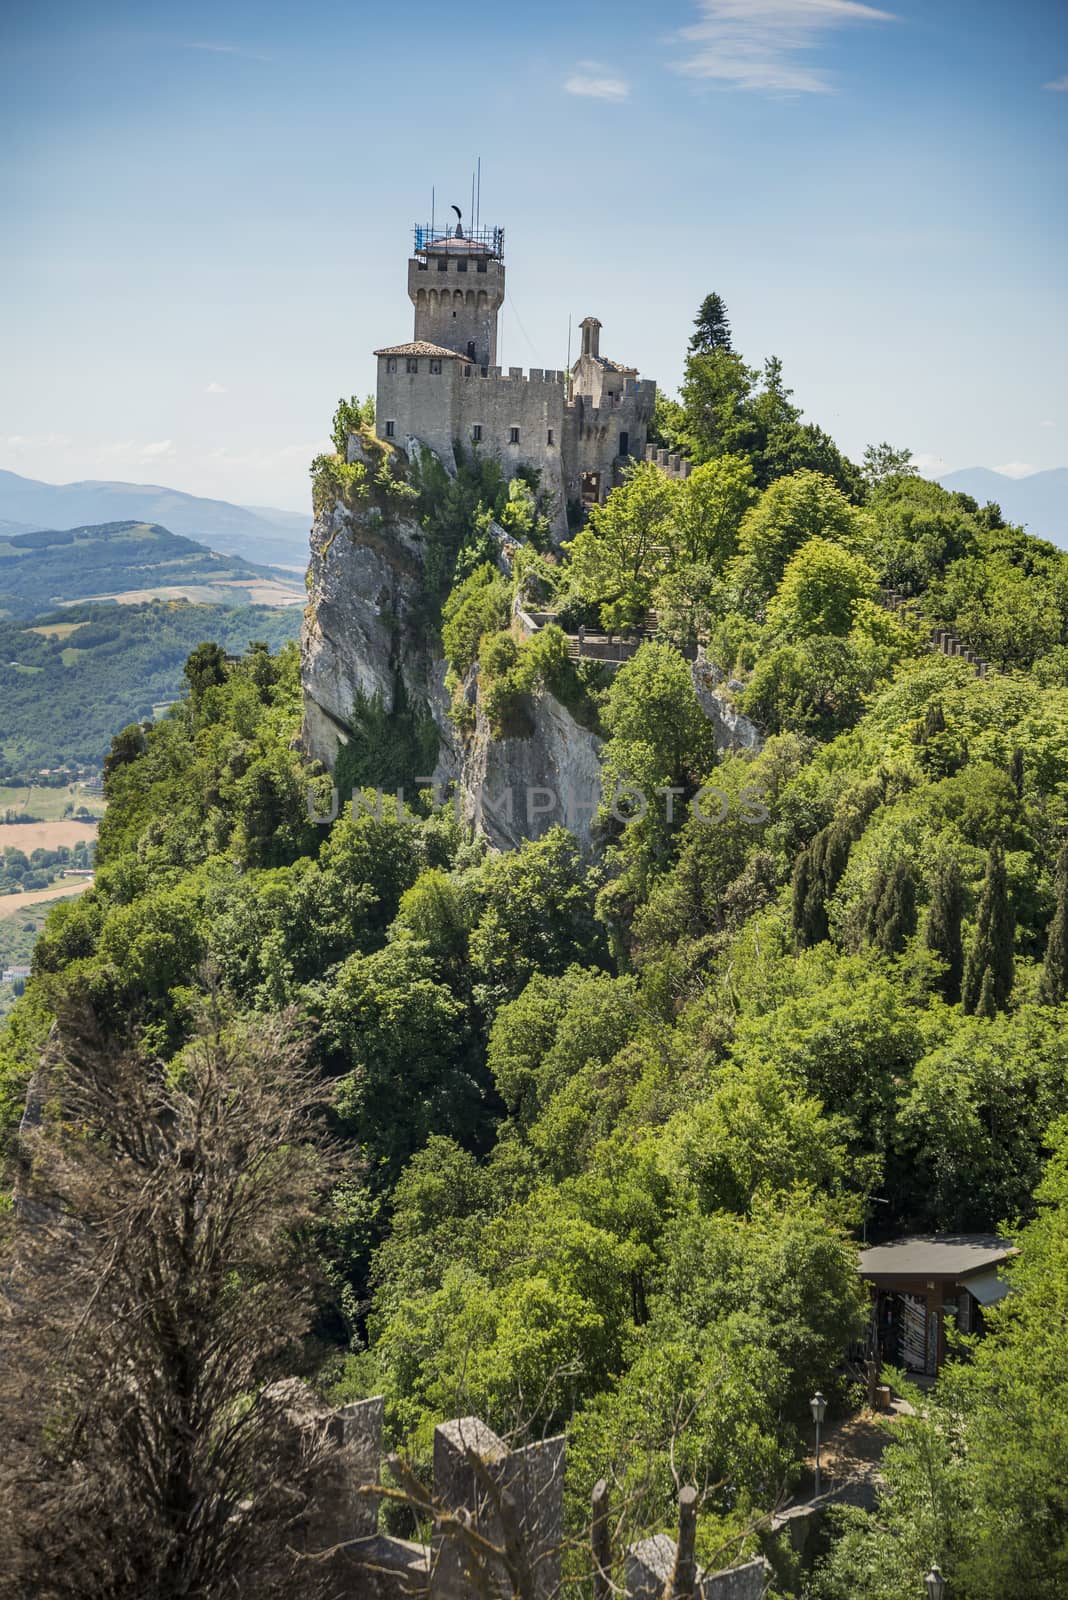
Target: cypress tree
column 944, row 919
column 892, row 909
column 992, row 947
column 712, row 331
column 1054, row 988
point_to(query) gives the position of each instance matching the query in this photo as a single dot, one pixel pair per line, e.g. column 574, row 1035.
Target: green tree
column 1054, row 988
column 616, row 559
column 712, row 330
column 882, row 461
column 710, row 506
column 892, row 909
column 205, row 668
column 792, row 511
column 820, row 590
column 943, row 933
column 989, row 969
column 351, row 416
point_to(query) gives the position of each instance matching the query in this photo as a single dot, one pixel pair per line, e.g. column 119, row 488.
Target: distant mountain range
column 258, row 533
column 1038, row 502
column 132, row 562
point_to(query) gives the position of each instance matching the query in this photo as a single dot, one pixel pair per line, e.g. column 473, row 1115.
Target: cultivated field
column 30, row 836
column 48, row 805
column 12, row 903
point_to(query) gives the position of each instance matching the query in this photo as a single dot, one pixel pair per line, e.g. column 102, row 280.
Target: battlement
column 516, row 374
column 673, row 466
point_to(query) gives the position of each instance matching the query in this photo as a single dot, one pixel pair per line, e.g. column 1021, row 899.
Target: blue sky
column 207, row 213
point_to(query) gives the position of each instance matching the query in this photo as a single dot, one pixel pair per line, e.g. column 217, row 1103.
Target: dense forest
column 604, row 1131
column 69, row 678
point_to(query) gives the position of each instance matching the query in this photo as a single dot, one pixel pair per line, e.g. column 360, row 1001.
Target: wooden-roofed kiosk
column 916, row 1282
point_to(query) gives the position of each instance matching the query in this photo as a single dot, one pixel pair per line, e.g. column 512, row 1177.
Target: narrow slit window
column 391, row 430
column 513, row 435
column 476, row 433
column 552, row 437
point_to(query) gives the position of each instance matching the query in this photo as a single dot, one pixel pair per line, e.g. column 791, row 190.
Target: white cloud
column 753, row 44
column 597, row 87
column 1048, row 423
column 931, row 466
column 1016, row 469
column 157, row 451
column 1058, row 85
column 215, row 388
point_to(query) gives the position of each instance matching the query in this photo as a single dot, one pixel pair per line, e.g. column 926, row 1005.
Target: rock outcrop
column 366, row 637
column 733, row 730
column 361, row 633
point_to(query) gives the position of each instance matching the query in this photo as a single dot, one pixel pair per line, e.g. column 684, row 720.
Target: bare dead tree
column 157, row 1278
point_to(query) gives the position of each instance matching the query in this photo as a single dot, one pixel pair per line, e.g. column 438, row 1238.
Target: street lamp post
column 819, row 1411
column 936, row 1584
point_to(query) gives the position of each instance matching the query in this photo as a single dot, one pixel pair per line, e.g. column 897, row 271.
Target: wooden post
column 600, row 1540
column 684, row 1579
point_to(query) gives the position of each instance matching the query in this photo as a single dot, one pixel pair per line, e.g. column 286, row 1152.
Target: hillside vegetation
column 70, row 679
column 607, row 1130
column 41, row 570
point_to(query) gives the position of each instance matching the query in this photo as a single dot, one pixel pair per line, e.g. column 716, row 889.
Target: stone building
column 443, row 388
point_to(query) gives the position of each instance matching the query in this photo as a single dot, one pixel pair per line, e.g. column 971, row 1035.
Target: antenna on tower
column 478, row 195
column 433, row 198
column 471, row 213
column 567, row 390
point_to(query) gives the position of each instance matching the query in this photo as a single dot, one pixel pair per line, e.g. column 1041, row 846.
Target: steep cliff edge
column 367, row 638
column 371, row 639
column 363, row 635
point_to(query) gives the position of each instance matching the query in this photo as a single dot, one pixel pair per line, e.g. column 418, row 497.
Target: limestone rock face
column 359, row 633
column 518, row 788
column 733, row 731
column 362, row 634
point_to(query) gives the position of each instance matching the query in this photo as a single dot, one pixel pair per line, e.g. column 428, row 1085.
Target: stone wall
column 456, row 303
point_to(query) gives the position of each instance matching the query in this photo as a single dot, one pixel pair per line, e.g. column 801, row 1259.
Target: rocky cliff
column 366, row 635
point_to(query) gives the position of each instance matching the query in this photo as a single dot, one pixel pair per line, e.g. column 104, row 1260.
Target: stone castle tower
column 444, row 389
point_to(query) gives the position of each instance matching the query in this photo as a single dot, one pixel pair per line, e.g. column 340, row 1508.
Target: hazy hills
column 73, row 678
column 1038, row 502
column 133, row 561
column 260, row 534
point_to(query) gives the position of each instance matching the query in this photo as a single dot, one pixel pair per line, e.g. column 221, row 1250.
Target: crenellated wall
column 522, row 418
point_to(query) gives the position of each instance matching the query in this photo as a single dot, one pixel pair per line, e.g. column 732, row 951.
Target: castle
column 444, row 389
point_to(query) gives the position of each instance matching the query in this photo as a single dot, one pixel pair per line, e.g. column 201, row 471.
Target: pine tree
column 944, row 919
column 712, row 331
column 1054, row 987
column 892, row 909
column 992, row 948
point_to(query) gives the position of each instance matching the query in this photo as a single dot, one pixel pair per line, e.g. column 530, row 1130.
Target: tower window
column 624, row 444
column 391, row 364
column 552, row 437
column 470, row 349
column 413, row 364
column 461, row 265
column 435, row 366
column 481, row 266
column 513, row 435
column 443, row 264
column 391, row 430
column 476, row 433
